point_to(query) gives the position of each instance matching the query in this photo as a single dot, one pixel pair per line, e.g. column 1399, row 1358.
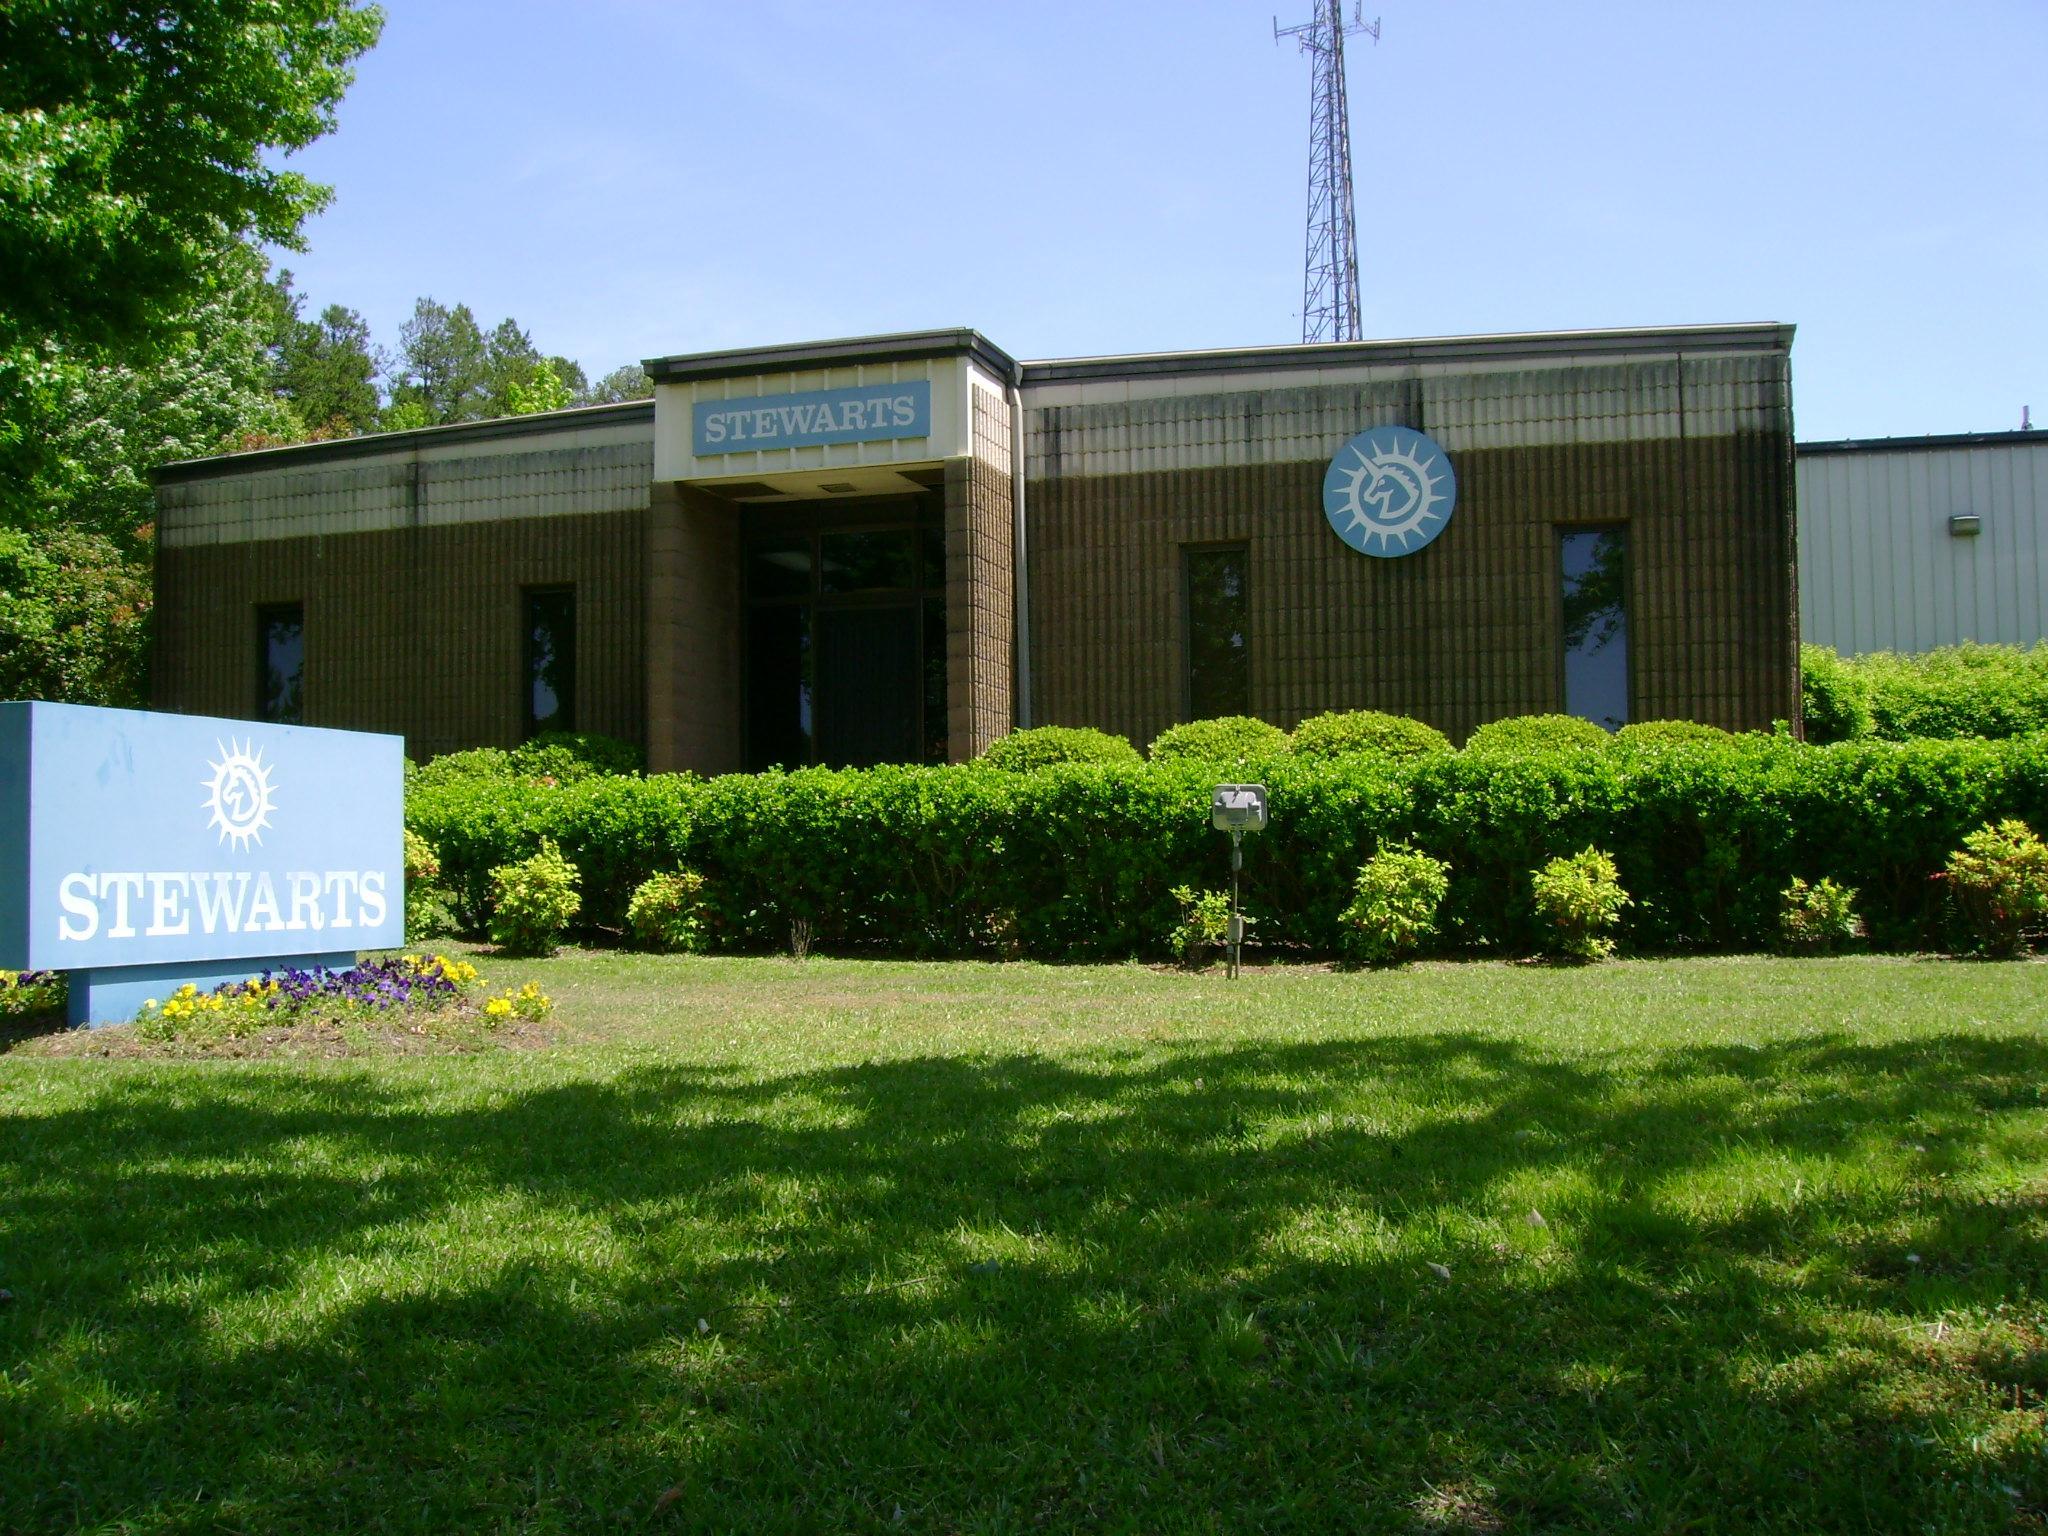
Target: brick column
column 693, row 632
column 980, row 633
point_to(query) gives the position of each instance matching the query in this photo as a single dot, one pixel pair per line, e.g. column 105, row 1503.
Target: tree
column 443, row 370
column 325, row 369
column 510, row 359
column 74, row 619
column 545, row 391
column 629, row 382
column 92, row 432
column 135, row 138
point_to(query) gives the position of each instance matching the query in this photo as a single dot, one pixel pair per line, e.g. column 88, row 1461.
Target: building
column 1908, row 543
column 899, row 547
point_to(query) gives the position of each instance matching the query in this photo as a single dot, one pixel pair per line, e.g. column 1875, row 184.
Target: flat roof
column 1916, row 444
column 1753, row 336
column 540, row 423
column 846, row 351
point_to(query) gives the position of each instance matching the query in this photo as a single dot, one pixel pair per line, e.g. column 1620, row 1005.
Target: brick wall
column 415, row 631
column 1464, row 631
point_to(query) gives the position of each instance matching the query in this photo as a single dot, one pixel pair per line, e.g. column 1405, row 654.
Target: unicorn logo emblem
column 238, row 794
column 1389, row 491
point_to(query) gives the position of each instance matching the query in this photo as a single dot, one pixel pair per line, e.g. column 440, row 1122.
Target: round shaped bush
column 664, row 915
column 1044, row 745
column 1524, row 734
column 1226, row 739
column 566, row 756
column 1341, row 733
column 1668, row 733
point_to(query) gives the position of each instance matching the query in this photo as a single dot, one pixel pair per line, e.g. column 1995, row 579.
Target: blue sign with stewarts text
column 861, row 414
column 129, row 838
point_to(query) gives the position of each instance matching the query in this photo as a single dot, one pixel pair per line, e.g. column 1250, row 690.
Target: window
column 550, row 660
column 1217, row 606
column 1593, row 563
column 281, row 663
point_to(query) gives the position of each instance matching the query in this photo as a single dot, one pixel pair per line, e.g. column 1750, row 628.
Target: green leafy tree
column 97, row 431
column 135, row 138
column 74, row 619
column 544, row 391
column 325, row 369
column 629, row 382
column 443, row 368
column 573, row 378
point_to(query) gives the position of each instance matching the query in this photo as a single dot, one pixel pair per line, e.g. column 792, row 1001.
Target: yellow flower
column 498, row 1007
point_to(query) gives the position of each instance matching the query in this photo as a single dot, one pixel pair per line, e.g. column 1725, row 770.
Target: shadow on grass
column 1004, row 1293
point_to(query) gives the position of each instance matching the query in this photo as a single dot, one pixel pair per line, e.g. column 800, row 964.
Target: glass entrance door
column 846, row 635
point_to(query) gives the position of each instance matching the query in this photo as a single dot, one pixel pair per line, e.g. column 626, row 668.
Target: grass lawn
column 1705, row 1245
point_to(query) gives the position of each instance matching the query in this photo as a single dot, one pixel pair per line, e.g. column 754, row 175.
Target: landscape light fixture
column 1237, row 809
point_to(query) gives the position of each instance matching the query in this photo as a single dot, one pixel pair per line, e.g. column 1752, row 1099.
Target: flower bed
column 420, row 993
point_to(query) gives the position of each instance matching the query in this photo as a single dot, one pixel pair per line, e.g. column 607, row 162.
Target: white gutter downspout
column 1019, row 564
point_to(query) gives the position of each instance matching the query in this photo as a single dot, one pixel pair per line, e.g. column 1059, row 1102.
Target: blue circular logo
column 1389, row 492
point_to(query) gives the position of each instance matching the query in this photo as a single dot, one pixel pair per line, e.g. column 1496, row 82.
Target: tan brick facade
column 980, row 607
column 1464, row 631
column 413, row 631
column 693, row 632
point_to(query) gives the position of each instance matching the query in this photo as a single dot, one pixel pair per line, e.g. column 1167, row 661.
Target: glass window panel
column 867, row 562
column 779, row 686
column 281, row 649
column 933, row 540
column 1218, row 648
column 1594, row 566
column 781, row 568
column 550, row 660
column 868, row 685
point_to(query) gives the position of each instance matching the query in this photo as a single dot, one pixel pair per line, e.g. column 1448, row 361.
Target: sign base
column 114, row 994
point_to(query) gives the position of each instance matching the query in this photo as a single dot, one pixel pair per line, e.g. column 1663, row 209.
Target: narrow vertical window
column 1594, row 566
column 281, row 663
column 1219, row 680
column 550, row 661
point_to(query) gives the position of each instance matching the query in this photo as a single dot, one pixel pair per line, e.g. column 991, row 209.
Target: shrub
column 1668, row 733
column 1078, row 861
column 1992, row 691
column 426, row 910
column 1579, row 901
column 1394, row 911
column 1998, row 882
column 1045, row 745
column 533, row 901
column 1203, row 925
column 1834, row 698
column 663, row 914
column 1366, row 730
column 1521, row 735
column 1817, row 919
column 1228, row 739
column 566, row 756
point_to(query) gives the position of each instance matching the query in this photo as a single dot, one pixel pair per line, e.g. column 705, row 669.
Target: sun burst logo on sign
column 1389, row 491
column 238, row 794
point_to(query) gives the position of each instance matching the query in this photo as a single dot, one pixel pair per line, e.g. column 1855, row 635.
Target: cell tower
column 1329, row 293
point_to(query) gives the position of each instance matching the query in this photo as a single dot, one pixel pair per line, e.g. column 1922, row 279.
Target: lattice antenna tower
column 1329, row 293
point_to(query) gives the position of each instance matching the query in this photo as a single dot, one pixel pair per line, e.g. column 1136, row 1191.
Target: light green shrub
column 1998, row 883
column 1522, row 735
column 1226, row 740
column 1992, row 691
column 426, row 909
column 1817, row 919
column 665, row 912
column 1044, row 746
column 1203, row 925
column 533, row 902
column 1393, row 913
column 1668, row 733
column 1578, row 903
column 1340, row 734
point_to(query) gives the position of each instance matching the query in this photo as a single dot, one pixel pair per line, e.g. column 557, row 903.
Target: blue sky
column 630, row 178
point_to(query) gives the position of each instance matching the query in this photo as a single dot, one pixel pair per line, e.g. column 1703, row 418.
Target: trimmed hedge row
column 1078, row 860
column 1994, row 691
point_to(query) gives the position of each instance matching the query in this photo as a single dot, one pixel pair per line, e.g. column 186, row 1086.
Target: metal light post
column 1237, row 809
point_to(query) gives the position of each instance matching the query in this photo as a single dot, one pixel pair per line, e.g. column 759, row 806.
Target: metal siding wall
column 1879, row 569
